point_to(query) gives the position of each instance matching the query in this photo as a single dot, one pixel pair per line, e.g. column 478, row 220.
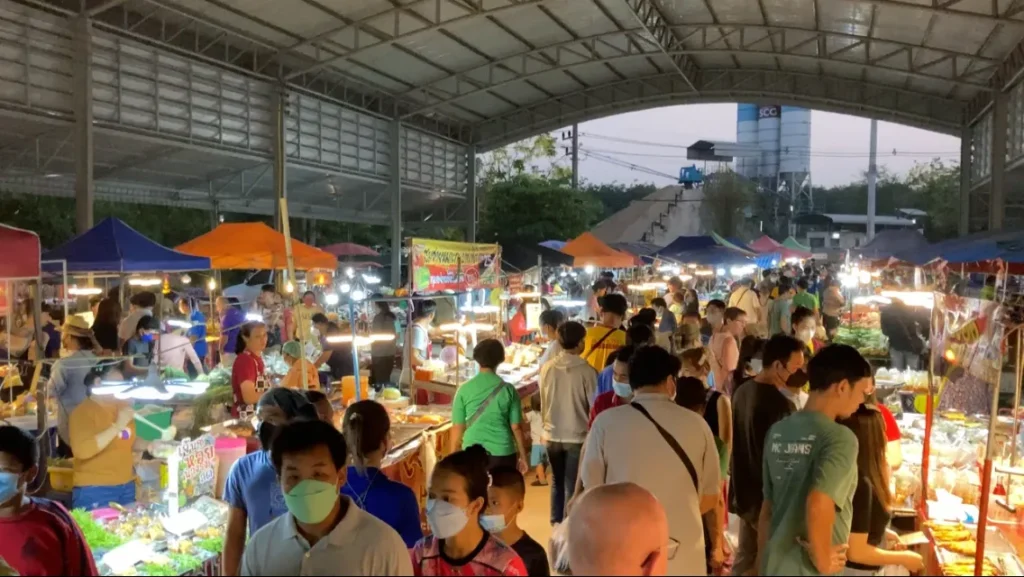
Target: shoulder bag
column 674, row 445
column 483, row 406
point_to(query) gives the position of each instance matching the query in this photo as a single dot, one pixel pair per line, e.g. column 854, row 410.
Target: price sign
column 192, row 472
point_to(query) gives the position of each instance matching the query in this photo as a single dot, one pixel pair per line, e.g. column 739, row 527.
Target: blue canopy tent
column 972, row 248
column 710, row 250
column 553, row 244
column 114, row 247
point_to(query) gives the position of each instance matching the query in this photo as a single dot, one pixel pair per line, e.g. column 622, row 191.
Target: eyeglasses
column 672, row 548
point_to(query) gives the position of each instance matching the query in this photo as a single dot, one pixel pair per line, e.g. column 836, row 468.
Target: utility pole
column 872, row 178
column 574, row 153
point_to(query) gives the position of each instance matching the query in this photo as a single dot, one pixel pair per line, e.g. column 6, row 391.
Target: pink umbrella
column 349, row 249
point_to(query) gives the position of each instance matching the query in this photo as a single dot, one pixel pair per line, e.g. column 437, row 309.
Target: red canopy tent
column 767, row 245
column 349, row 249
column 22, row 253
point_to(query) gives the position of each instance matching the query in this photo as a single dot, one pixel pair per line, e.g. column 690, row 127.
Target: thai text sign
column 193, row 471
column 442, row 265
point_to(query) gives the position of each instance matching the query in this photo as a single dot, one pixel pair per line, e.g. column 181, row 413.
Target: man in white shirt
column 141, row 305
column 661, row 447
column 323, row 533
column 746, row 299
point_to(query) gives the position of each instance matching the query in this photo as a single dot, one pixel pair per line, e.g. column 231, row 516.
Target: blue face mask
column 622, row 389
column 147, row 337
column 10, row 484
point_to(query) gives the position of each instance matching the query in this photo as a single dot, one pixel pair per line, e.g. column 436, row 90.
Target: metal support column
column 280, row 155
column 575, row 155
column 997, row 200
column 471, row 199
column 965, row 180
column 85, row 193
column 396, row 203
column 872, row 178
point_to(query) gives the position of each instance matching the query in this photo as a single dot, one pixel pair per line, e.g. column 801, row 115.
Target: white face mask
column 445, row 520
column 805, row 335
column 756, row 365
column 622, row 389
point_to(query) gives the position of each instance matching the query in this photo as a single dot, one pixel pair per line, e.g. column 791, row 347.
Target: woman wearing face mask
column 458, row 544
column 805, row 324
column 248, row 380
column 367, row 432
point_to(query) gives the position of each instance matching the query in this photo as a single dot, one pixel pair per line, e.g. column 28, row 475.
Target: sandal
column 537, row 483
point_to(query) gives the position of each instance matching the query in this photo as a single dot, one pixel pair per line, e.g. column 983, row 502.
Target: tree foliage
column 727, row 203
column 531, row 209
column 933, row 187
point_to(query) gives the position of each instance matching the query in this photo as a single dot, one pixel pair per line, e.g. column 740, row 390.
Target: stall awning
column 768, row 245
column 707, row 250
column 114, row 247
column 589, row 250
column 254, row 245
column 21, row 253
column 639, row 249
column 553, row 244
column 524, row 257
column 888, row 243
column 349, row 249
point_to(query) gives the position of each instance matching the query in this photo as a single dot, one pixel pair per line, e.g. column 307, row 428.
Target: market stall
column 588, row 250
column 254, row 245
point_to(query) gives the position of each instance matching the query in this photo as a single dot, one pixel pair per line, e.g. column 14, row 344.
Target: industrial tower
column 782, row 168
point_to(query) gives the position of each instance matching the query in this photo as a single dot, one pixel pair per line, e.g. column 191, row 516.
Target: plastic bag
column 558, row 549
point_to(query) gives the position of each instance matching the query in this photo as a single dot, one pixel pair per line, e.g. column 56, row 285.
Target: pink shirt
column 725, row 357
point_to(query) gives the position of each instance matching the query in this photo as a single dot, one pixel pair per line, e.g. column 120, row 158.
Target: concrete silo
column 768, row 132
column 795, row 157
column 746, row 135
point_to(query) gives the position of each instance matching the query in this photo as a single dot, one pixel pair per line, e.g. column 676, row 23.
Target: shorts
column 538, row 455
column 831, row 323
column 99, row 497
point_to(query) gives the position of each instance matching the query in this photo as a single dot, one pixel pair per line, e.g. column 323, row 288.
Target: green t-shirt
column 805, row 451
column 723, row 456
column 493, row 429
column 805, row 299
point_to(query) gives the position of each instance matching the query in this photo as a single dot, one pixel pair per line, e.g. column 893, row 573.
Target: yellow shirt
column 96, row 467
column 598, row 357
column 293, row 379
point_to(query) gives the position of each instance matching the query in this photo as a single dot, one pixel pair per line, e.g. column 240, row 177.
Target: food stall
column 971, row 494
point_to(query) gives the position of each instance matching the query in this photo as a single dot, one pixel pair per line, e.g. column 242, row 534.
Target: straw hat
column 76, row 326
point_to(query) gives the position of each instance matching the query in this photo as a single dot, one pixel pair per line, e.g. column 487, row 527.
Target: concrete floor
column 536, row 516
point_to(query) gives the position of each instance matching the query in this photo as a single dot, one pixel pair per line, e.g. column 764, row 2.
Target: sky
column 839, row 143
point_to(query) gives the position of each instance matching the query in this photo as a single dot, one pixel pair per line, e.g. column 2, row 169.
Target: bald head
column 638, row 544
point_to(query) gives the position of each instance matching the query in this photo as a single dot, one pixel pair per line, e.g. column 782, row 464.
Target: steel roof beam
column 514, row 63
column 847, row 96
column 875, row 63
column 358, row 27
column 654, row 23
column 935, row 7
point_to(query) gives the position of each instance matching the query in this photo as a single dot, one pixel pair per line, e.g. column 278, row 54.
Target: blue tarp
column 687, row 243
column 972, row 248
column 553, row 244
column 113, row 246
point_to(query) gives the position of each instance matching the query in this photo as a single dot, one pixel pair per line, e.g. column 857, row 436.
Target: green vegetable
column 96, row 535
column 185, row 563
column 214, row 545
column 158, row 570
column 215, row 395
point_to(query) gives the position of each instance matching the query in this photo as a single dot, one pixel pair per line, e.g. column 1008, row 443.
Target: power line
column 790, row 150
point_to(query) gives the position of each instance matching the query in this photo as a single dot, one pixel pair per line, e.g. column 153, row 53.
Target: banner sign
column 967, row 352
column 192, row 472
column 436, row 265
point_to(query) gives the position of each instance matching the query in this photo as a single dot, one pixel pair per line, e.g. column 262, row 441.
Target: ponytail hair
column 366, row 426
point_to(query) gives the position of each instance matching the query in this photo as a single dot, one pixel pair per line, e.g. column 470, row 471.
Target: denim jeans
column 565, row 464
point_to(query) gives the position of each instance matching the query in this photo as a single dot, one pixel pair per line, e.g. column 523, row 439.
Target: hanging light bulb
column 345, row 287
column 212, row 285
column 186, row 279
column 289, row 288
column 331, row 299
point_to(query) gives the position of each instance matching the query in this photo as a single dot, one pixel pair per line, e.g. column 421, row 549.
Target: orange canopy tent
column 587, row 249
column 254, row 245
